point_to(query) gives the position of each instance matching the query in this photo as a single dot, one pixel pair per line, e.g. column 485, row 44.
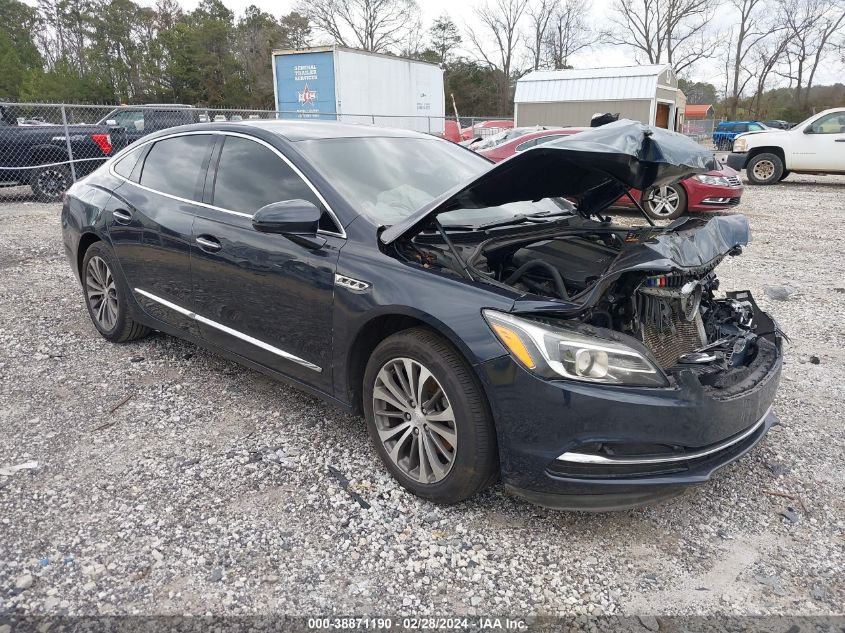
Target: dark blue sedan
column 488, row 321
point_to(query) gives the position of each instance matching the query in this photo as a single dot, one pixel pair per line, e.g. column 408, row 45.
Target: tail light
column 104, row 141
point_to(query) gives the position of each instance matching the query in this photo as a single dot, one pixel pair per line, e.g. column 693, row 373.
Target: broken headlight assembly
column 561, row 351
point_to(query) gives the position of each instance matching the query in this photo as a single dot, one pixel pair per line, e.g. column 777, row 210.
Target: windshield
column 390, row 178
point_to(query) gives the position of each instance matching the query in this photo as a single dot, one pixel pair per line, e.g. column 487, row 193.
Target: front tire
column 764, row 169
column 428, row 418
column 106, row 296
column 50, row 183
column 665, row 203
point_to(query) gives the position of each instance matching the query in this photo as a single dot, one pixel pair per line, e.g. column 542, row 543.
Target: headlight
column 713, row 180
column 561, row 351
column 740, row 144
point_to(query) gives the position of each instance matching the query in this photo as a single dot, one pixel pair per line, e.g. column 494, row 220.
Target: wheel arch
column 767, row 149
column 85, row 241
column 378, row 328
column 43, row 153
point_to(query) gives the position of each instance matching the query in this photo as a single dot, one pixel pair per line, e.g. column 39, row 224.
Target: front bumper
column 737, row 161
column 543, row 426
column 712, row 197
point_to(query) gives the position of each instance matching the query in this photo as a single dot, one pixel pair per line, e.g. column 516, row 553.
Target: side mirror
column 297, row 220
column 809, row 130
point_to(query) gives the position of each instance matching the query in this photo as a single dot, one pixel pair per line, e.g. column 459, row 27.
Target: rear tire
column 459, row 458
column 784, row 174
column 50, row 183
column 764, row 169
column 106, row 296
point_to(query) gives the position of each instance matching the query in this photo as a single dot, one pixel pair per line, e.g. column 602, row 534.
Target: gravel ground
column 163, row 479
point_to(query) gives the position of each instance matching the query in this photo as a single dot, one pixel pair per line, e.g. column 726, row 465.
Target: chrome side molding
column 224, row 328
column 586, row 458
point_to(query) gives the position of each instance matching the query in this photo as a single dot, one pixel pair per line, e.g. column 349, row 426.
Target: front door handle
column 209, row 244
column 839, row 140
column 121, row 217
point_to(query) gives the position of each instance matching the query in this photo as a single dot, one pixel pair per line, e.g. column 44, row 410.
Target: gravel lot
column 167, row 480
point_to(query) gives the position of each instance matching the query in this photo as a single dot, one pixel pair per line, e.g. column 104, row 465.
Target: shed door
column 661, row 119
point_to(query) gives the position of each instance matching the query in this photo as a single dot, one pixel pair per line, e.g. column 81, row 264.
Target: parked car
column 727, row 131
column 483, row 324
column 139, row 121
column 778, row 124
column 39, row 154
column 716, row 190
column 814, row 146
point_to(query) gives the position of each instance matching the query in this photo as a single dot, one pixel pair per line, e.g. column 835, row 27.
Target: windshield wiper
column 535, row 218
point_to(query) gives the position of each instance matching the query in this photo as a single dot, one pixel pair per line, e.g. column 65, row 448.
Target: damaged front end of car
column 650, row 290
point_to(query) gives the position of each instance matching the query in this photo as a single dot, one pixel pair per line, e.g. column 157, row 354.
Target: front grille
column 734, row 181
column 670, row 336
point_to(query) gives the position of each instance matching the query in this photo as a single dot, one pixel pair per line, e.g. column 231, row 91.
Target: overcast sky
column 461, row 12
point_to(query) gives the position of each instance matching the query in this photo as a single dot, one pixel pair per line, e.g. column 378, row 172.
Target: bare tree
column 767, row 56
column 664, row 31
column 752, row 29
column 539, row 14
column 499, row 23
column 569, row 32
column 372, row 25
column 812, row 24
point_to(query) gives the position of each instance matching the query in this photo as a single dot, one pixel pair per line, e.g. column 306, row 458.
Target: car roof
column 298, row 130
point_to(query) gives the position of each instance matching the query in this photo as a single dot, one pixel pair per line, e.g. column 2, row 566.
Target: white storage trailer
column 353, row 86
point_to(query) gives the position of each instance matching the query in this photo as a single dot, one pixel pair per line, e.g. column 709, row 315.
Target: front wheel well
column 84, row 244
column 373, row 333
column 777, row 151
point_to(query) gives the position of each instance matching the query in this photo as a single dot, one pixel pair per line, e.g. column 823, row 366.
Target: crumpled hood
column 595, row 167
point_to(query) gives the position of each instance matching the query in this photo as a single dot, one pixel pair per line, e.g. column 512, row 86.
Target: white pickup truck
column 815, row 146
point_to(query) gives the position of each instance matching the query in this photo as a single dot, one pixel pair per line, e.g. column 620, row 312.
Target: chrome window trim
column 284, row 158
column 228, row 330
column 585, row 458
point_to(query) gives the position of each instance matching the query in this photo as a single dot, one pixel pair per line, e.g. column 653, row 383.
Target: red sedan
column 718, row 189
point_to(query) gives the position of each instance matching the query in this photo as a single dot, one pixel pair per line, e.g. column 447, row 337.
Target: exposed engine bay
column 656, row 285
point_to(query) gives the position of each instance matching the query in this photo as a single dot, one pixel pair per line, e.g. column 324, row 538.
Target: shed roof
column 590, row 84
column 698, row 111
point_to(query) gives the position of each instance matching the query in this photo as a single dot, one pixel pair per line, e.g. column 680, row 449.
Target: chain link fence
column 701, row 131
column 45, row 148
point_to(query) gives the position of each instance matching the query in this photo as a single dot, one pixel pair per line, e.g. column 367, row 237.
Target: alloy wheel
column 52, row 182
column 764, row 169
column 664, row 201
column 414, row 420
column 101, row 292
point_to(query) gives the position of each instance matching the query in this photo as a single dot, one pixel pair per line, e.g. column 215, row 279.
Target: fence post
column 67, row 142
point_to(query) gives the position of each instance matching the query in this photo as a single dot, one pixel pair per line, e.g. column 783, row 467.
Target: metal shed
column 571, row 97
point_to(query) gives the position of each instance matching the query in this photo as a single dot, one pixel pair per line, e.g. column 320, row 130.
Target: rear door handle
column 839, row 140
column 209, row 244
column 121, row 217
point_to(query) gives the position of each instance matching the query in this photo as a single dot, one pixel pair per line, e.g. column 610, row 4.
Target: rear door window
column 174, row 166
